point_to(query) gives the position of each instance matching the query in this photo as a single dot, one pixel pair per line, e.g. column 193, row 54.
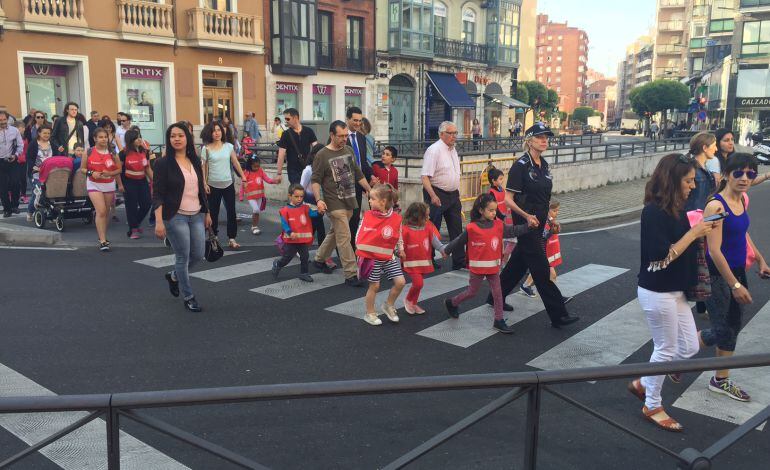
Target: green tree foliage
column 522, row 94
column 659, row 96
column 582, row 113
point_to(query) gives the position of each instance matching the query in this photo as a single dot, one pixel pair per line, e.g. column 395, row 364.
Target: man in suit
column 357, row 141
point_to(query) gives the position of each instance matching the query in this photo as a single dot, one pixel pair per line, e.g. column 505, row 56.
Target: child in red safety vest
column 420, row 238
column 297, row 232
column 497, row 189
column 253, row 188
column 378, row 247
column 483, row 239
column 552, row 248
column 246, row 144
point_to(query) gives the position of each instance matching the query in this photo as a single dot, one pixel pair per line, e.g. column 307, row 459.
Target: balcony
column 755, row 5
column 675, row 25
column 345, row 59
column 672, row 3
column 468, row 51
column 221, row 29
column 669, row 49
column 37, row 15
column 140, row 17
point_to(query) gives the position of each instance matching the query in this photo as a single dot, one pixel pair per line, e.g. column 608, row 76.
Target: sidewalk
column 580, row 210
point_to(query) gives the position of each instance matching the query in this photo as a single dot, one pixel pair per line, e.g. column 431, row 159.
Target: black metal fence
column 531, row 384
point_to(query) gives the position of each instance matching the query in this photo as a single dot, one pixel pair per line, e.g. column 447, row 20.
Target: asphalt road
column 81, row 321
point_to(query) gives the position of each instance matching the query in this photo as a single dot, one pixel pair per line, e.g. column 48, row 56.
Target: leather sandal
column 637, row 389
column 233, row 244
column 669, row 424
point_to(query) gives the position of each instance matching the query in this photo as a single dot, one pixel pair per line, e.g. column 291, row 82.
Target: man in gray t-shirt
column 335, row 174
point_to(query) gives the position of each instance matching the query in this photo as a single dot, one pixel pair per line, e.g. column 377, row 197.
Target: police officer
column 528, row 195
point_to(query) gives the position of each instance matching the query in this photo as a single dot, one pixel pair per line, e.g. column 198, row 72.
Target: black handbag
column 214, row 249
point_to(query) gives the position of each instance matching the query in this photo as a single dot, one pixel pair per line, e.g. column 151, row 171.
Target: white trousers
column 674, row 334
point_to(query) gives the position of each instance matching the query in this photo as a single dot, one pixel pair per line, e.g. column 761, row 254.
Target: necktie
column 355, row 148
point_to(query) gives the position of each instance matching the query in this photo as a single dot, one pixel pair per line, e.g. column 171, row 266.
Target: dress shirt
column 442, row 165
column 10, row 137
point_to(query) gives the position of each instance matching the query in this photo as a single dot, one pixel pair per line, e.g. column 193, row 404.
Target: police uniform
column 531, row 185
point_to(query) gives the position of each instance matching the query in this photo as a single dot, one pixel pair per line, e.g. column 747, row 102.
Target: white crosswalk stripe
column 476, row 324
column 609, row 341
column 225, row 273
column 434, row 286
column 756, row 382
column 294, row 287
column 168, row 260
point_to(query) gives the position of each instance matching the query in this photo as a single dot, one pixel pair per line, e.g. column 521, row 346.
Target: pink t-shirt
column 190, row 203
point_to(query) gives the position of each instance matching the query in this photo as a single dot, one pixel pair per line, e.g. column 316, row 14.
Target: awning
column 506, row 101
column 451, row 90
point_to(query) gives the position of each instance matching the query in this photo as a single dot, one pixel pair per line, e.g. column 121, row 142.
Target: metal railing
column 453, row 49
column 345, row 59
column 531, row 384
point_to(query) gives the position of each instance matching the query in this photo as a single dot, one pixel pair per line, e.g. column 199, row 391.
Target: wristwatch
column 735, row 286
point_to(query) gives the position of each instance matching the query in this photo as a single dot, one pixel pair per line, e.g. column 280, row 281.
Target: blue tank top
column 734, row 229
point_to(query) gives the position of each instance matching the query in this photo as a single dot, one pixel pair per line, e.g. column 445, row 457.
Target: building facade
column 562, row 58
column 596, row 98
column 321, row 59
column 447, row 60
column 672, row 34
column 635, row 70
column 159, row 61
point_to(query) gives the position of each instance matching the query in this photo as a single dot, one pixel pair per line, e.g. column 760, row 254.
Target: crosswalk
column 609, row 341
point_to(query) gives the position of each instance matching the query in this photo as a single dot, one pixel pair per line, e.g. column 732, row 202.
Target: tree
column 582, row 113
column 659, row 96
column 522, row 94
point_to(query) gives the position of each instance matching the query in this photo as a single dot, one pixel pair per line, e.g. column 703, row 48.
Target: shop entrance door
column 217, row 96
column 401, row 106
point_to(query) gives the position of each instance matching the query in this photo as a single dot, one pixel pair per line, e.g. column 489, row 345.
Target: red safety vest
column 254, row 186
column 135, row 165
column 299, row 223
column 418, row 248
column 377, row 237
column 485, row 248
column 98, row 161
column 553, row 249
column 501, row 207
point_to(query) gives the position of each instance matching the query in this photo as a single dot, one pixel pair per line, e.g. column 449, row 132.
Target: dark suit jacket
column 366, row 169
column 168, row 186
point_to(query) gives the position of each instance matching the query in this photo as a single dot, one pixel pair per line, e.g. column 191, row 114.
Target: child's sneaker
column 372, row 319
column 275, row 269
column 727, row 387
column 412, row 309
column 134, row 235
column 390, row 312
column 419, row 310
column 255, row 230
column 451, row 308
column 529, row 291
column 502, row 327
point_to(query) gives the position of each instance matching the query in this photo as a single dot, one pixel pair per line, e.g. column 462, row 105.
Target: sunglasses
column 738, row 174
column 39, row 117
column 685, row 158
column 450, row 133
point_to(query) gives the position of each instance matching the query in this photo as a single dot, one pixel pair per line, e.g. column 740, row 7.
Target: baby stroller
column 62, row 194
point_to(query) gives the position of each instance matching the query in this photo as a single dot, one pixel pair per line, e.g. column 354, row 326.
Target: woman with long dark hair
column 101, row 165
column 136, row 174
column 668, row 269
column 727, row 255
column 219, row 158
column 725, row 147
column 181, row 209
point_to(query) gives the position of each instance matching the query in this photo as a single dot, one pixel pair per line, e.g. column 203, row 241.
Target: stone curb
column 25, row 237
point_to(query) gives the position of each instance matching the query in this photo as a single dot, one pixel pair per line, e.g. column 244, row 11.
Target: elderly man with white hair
column 441, row 185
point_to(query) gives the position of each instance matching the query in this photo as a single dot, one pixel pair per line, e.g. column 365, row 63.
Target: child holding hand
column 253, row 188
column 420, row 238
column 378, row 244
column 483, row 238
column 552, row 248
column 497, row 189
column 297, row 233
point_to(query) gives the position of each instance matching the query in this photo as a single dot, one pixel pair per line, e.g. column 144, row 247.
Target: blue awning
column 451, row 90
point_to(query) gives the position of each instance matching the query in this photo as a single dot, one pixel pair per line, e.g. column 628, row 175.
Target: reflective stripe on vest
column 303, row 235
column 483, row 264
column 553, row 258
column 415, row 263
column 256, row 192
column 375, row 249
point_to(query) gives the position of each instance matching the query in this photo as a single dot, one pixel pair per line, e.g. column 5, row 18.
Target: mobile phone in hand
column 716, row 217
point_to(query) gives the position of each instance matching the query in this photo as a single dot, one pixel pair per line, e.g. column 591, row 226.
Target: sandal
column 669, row 424
column 233, row 244
column 675, row 377
column 637, row 389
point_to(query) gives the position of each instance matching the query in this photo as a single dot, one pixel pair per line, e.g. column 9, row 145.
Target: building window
column 219, row 5
column 294, row 33
column 697, row 64
column 322, row 102
column 355, row 40
column 439, row 19
column 468, row 33
column 325, row 35
column 721, row 26
column 410, row 26
column 756, row 38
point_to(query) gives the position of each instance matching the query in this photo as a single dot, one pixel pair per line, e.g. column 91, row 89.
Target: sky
column 611, row 25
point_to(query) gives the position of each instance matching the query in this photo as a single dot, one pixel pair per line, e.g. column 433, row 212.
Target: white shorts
column 255, row 205
column 94, row 187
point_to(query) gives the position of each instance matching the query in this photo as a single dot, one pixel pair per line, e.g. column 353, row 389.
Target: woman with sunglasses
column 727, row 253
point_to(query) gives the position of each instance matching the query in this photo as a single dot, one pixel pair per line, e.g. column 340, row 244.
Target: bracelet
column 673, row 250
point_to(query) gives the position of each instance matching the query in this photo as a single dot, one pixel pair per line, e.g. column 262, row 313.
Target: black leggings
column 138, row 202
column 215, row 198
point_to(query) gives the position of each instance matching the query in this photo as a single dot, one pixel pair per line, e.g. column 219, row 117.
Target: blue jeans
column 187, row 235
column 35, row 187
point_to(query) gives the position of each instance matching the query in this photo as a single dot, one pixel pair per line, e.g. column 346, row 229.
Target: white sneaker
column 255, row 231
column 372, row 319
column 409, row 307
column 29, row 217
column 391, row 312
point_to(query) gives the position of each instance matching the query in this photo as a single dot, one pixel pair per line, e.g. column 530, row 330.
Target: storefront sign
column 462, row 77
column 480, row 79
column 439, row 9
column 45, row 70
column 322, row 89
column 141, row 73
column 752, row 102
column 353, row 91
column 283, row 87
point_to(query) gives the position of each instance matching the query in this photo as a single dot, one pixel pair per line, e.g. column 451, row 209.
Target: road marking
column 476, row 324
column 612, row 227
column 609, row 341
column 294, row 287
column 44, row 248
column 169, row 260
column 225, row 273
column 83, row 448
column 698, row 399
column 434, row 286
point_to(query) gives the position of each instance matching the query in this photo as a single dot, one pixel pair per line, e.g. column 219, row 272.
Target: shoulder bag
column 214, row 249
